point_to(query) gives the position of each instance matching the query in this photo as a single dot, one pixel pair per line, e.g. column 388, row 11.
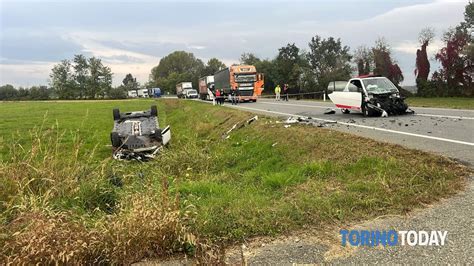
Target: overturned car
column 371, row 95
column 137, row 135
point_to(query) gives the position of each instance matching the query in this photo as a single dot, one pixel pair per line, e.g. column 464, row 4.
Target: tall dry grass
column 42, row 172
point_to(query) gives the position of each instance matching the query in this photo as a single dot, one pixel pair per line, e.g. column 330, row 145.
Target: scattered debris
column 330, row 111
column 239, row 126
column 392, row 120
column 352, row 121
column 326, row 123
column 287, row 126
column 255, row 118
column 274, row 144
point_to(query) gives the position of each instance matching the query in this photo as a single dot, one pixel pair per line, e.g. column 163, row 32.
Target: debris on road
column 326, row 123
column 330, row 111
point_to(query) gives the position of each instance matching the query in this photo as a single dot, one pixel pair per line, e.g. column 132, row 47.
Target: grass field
column 64, row 199
column 442, row 102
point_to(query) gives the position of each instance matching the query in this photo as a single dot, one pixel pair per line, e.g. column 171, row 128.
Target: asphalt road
column 444, row 131
column 447, row 132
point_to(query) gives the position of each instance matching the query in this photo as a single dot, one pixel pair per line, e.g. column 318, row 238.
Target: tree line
column 305, row 70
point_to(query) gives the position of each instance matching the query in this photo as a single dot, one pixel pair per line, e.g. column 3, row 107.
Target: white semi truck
column 185, row 90
column 206, row 87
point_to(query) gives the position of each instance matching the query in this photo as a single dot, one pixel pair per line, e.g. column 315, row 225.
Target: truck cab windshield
column 379, row 85
column 245, row 78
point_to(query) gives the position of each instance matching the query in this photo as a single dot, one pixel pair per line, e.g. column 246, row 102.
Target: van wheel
column 116, row 113
column 367, row 112
column 154, row 111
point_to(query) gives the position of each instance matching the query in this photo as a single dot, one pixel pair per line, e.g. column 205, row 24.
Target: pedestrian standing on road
column 234, row 97
column 237, row 96
column 285, row 92
column 277, row 92
column 218, row 97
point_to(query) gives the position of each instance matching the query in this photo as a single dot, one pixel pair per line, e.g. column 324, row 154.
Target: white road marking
column 362, row 126
column 303, row 105
column 446, row 116
column 326, row 107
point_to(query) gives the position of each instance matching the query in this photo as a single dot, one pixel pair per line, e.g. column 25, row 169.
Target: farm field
column 63, row 198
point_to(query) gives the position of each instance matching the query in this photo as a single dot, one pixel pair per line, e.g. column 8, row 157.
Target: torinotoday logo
column 392, row 238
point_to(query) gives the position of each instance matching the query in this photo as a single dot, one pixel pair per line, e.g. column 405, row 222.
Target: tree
column 384, row 64
column 212, row 66
column 87, row 77
column 62, row 80
column 422, row 63
column 81, row 74
column 119, row 92
column 176, row 67
column 329, row 60
column 130, row 83
column 363, row 57
column 39, row 93
column 8, row 92
column 288, row 65
column 100, row 79
column 249, row 59
column 456, row 69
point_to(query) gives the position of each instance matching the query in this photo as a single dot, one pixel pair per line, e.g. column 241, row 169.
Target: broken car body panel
column 138, row 133
column 369, row 95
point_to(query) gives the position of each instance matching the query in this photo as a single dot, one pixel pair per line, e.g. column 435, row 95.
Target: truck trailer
column 243, row 79
column 206, row 88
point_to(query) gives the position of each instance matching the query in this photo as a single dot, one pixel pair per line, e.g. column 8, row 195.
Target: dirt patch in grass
column 202, row 193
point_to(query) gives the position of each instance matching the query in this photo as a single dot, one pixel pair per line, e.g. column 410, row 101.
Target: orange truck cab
column 243, row 79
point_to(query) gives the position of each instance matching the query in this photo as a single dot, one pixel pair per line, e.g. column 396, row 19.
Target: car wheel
column 116, row 112
column 365, row 111
column 115, row 138
column 154, row 111
column 158, row 134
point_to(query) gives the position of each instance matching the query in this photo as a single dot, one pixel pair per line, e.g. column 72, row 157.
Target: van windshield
column 379, row 85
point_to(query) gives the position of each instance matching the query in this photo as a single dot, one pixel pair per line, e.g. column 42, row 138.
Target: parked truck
column 185, row 90
column 243, row 79
column 206, row 88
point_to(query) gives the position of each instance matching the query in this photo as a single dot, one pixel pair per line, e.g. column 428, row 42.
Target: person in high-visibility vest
column 277, row 92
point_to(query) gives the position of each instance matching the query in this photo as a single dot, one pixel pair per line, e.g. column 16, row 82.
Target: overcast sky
column 132, row 36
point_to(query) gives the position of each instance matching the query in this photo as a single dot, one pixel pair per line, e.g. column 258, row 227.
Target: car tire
column 154, row 111
column 115, row 138
column 158, row 134
column 116, row 113
column 365, row 111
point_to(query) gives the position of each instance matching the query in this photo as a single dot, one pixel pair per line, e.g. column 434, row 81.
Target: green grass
column 263, row 180
column 442, row 102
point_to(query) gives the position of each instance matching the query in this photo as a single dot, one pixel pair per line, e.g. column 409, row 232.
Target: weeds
column 63, row 200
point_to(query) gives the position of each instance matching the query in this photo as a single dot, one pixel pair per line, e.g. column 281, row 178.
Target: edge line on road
column 361, row 126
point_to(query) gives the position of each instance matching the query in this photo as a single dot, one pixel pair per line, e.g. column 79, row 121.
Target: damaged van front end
column 385, row 104
column 371, row 95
